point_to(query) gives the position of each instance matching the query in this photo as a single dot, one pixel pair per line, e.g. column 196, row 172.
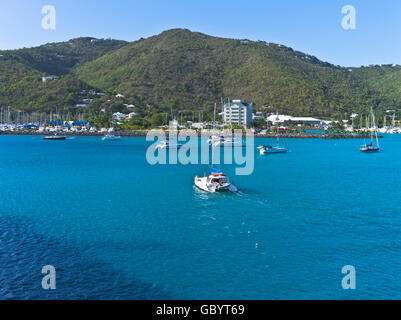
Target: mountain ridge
column 181, row 69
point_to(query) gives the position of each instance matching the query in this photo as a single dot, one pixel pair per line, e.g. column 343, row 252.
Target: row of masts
column 8, row 116
column 370, row 123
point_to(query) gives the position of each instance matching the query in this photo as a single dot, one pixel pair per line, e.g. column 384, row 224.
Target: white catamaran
column 216, row 181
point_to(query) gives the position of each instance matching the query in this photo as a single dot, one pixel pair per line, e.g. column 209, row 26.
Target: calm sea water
column 116, row 227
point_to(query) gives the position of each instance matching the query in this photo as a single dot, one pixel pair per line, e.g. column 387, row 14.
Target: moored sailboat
column 267, row 149
column 370, row 148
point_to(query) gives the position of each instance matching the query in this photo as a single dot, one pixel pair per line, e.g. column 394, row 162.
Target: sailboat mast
column 214, row 115
column 374, row 128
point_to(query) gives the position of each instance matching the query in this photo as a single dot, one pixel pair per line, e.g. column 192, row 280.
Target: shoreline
column 134, row 134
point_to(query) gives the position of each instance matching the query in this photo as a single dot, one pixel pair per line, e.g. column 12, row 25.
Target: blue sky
column 311, row 26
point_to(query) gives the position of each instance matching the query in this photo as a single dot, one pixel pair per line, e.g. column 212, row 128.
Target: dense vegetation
column 183, row 70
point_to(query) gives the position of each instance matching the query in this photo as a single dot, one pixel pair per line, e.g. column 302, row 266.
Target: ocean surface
column 116, row 227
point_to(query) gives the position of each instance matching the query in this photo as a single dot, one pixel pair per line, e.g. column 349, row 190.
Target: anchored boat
column 370, row 148
column 168, row 145
column 110, row 136
column 54, row 137
column 270, row 149
column 216, row 181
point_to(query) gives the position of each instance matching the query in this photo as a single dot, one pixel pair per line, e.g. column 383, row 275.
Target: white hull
column 273, row 150
column 227, row 144
column 203, row 184
column 111, row 138
column 168, row 145
column 55, row 138
column 224, row 142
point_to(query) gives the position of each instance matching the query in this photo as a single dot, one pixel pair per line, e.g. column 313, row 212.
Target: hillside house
column 49, row 78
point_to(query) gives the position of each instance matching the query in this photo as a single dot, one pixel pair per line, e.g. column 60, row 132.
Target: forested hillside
column 186, row 70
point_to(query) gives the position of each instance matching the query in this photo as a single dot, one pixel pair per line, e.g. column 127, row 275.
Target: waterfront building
column 238, row 112
column 280, row 118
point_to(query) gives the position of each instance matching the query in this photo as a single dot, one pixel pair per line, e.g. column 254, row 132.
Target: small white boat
column 111, row 137
column 369, row 148
column 168, row 145
column 224, row 142
column 216, row 182
column 54, row 137
column 270, row 149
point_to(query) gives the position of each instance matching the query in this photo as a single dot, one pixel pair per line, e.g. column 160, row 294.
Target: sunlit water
column 116, row 227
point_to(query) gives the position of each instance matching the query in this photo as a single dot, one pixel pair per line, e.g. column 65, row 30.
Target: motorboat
column 54, row 137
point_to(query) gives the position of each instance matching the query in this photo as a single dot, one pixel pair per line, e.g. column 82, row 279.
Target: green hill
column 187, row 70
column 21, row 73
column 59, row 58
column 190, row 70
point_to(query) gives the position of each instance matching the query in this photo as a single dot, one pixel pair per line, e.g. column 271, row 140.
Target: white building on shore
column 280, row 118
column 238, row 112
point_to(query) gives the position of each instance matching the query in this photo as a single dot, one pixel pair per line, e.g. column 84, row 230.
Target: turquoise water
column 116, row 227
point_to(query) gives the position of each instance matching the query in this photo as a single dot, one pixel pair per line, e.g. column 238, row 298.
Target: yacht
column 370, row 148
column 168, row 145
column 222, row 142
column 217, row 181
column 269, row 149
